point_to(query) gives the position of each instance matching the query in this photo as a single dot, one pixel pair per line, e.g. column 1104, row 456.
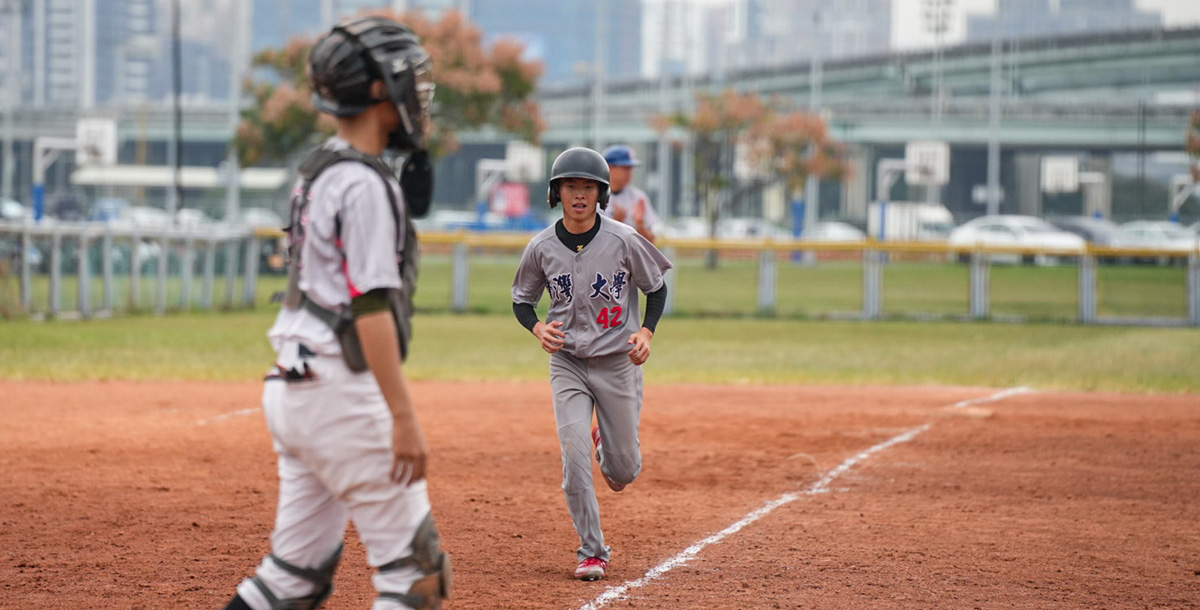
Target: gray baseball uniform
column 594, row 293
column 627, row 199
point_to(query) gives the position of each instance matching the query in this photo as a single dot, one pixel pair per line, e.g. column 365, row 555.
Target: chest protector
column 342, row 321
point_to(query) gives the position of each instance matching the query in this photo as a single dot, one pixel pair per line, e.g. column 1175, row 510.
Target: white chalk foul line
column 821, row 486
column 238, row 413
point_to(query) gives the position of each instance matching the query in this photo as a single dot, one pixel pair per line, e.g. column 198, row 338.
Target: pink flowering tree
column 476, row 87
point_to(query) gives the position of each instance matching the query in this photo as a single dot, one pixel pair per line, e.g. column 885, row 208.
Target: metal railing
column 242, row 248
column 122, row 253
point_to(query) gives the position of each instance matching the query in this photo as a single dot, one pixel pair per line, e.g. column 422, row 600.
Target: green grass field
column 714, row 336
column 233, row 347
column 910, row 289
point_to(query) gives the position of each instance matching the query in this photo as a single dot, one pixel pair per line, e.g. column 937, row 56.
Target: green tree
column 476, row 87
column 778, row 145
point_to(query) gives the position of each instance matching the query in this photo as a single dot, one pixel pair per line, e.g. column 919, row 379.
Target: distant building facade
column 1034, row 18
column 563, row 34
column 765, row 33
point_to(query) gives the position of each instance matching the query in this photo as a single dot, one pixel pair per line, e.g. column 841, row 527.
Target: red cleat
column 592, row 568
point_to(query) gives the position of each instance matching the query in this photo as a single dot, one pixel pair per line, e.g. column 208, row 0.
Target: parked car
column 1015, row 231
column 1096, row 231
column 686, row 227
column 749, row 228
column 145, row 217
column 12, row 211
column 835, row 230
column 261, row 218
column 109, row 209
column 1155, row 235
column 191, row 219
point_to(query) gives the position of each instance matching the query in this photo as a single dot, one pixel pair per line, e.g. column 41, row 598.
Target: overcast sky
column 907, row 31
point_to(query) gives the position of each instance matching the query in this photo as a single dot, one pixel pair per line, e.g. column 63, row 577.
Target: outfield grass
column 910, row 289
column 233, row 347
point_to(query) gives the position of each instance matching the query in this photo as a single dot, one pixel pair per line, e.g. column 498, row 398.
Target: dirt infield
column 161, row 496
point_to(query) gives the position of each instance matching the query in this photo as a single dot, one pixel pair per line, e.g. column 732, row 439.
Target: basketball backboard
column 96, row 142
column 927, row 163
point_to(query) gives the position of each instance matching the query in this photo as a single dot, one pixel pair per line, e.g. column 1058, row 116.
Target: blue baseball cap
column 620, row 156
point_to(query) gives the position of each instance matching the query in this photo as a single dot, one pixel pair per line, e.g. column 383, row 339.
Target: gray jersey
column 338, row 266
column 594, row 292
column 626, row 200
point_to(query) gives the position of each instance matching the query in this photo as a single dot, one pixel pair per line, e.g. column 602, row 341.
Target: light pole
column 598, row 67
column 993, row 151
column 812, row 185
column 12, row 83
column 937, row 22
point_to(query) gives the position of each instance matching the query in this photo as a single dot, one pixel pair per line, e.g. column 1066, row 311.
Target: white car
column 1155, row 235
column 1016, row 232
column 191, row 218
column 261, row 218
column 834, row 230
column 12, row 210
column 749, row 228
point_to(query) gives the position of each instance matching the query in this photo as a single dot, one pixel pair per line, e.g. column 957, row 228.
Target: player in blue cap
column 628, row 203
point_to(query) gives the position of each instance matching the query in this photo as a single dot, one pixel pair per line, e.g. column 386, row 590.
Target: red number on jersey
column 610, row 317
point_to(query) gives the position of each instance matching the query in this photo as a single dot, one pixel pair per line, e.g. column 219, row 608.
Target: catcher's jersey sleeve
column 594, row 292
column 351, row 247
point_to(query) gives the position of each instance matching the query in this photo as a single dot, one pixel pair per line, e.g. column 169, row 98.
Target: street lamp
column 936, row 17
column 12, row 83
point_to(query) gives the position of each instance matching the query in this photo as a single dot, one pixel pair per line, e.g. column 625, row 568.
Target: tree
column 476, row 87
column 781, row 146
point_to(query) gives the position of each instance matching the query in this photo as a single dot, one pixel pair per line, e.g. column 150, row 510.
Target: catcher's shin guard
column 434, row 564
column 321, row 576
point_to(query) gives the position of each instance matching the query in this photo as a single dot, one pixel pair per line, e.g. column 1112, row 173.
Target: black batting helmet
column 579, row 163
column 354, row 54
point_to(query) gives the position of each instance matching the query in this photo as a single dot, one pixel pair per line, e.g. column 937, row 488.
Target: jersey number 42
column 610, row 317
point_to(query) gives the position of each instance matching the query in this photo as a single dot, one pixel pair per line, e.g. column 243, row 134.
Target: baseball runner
column 592, row 269
column 628, row 203
column 336, row 402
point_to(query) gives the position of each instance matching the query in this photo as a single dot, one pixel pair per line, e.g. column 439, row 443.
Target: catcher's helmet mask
column 346, row 61
column 578, row 163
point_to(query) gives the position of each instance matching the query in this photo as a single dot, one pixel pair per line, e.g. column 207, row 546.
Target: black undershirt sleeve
column 525, row 315
column 370, row 302
column 655, row 303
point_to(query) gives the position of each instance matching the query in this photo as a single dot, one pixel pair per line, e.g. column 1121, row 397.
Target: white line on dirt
column 821, row 486
column 230, row 415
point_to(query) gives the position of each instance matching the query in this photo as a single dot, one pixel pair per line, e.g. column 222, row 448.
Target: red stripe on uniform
column 354, row 291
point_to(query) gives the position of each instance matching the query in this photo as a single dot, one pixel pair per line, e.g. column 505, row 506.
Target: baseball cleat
column 592, row 568
column 596, row 441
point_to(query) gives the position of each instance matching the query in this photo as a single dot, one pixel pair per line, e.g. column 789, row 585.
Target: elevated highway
column 1110, row 91
column 1090, row 95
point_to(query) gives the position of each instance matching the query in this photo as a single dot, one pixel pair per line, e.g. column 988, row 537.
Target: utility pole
column 812, row 185
column 598, row 67
column 937, row 21
column 12, row 83
column 175, row 195
column 243, row 13
column 993, row 158
column 664, row 107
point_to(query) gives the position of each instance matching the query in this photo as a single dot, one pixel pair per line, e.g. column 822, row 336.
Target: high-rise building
column 278, row 21
column 87, row 53
column 671, row 29
column 563, row 34
column 1032, row 18
column 128, row 45
column 763, row 33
